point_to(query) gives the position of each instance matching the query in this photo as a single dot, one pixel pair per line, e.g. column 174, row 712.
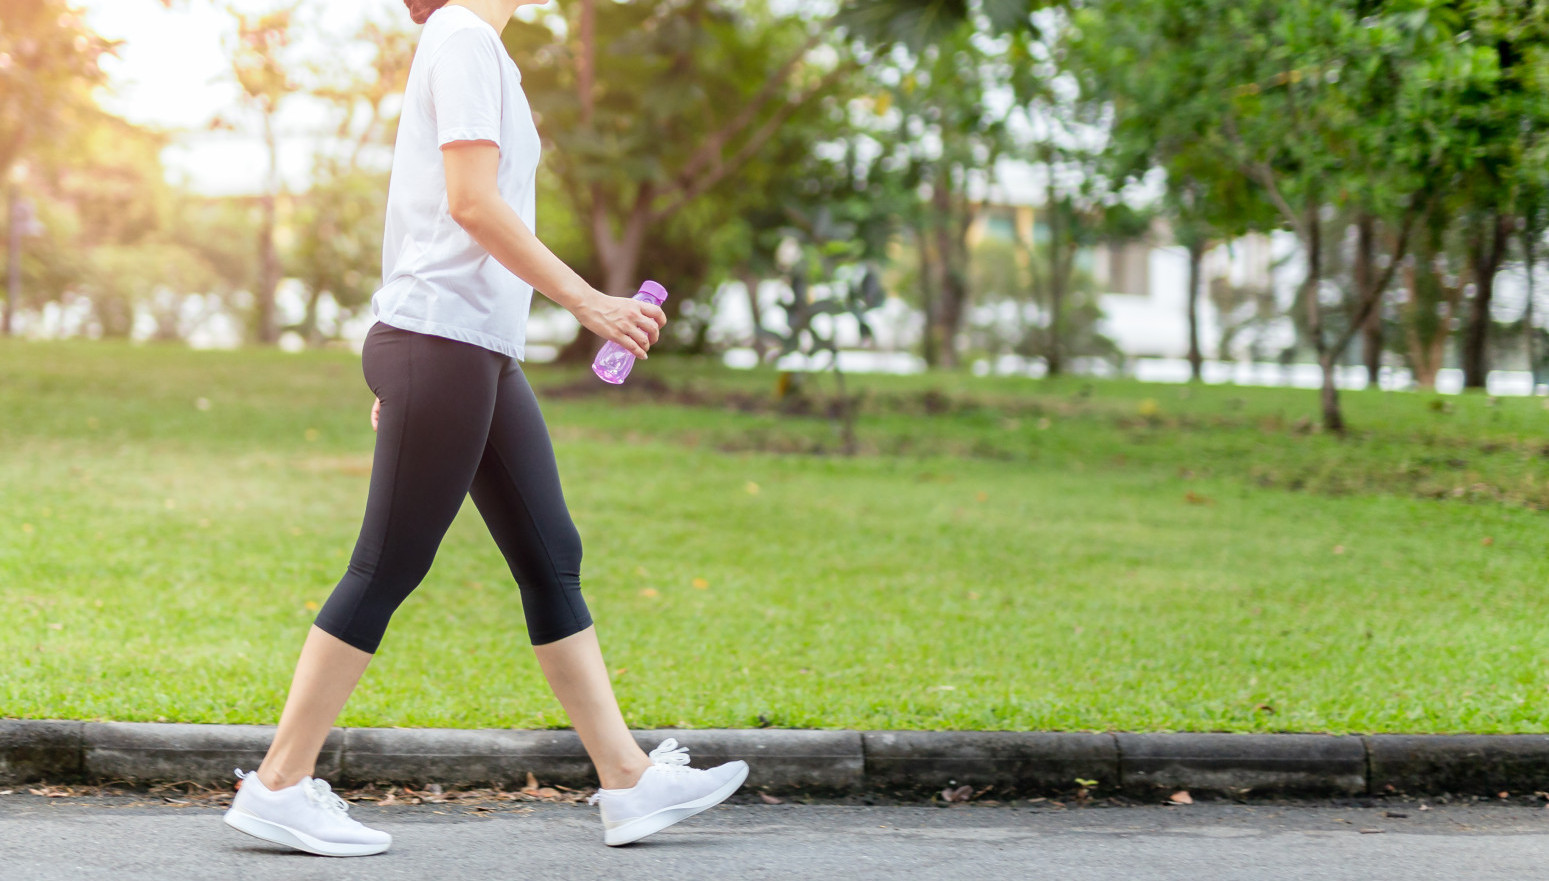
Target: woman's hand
column 376, row 413
column 631, row 323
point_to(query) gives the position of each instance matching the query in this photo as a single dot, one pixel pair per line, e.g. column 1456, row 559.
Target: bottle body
column 614, row 362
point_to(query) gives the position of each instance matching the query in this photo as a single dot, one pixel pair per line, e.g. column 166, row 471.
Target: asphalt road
column 125, row 838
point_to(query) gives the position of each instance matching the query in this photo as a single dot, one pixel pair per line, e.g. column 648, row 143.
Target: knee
column 567, row 550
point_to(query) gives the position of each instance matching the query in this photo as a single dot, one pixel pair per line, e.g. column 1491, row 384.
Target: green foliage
column 1385, row 112
column 338, row 233
column 937, row 127
column 258, row 58
column 828, row 257
column 919, row 24
column 120, row 277
column 828, row 260
column 221, row 231
column 671, row 126
column 49, row 65
column 1074, row 329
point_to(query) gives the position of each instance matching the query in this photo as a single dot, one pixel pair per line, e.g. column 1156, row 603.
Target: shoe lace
column 319, row 793
column 668, row 757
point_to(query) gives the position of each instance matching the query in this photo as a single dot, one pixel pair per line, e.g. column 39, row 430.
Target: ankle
column 275, row 779
column 624, row 775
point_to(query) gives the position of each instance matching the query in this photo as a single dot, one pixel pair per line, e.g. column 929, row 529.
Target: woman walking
column 455, row 416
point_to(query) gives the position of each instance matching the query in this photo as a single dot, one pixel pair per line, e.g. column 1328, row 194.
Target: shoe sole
column 274, row 833
column 638, row 828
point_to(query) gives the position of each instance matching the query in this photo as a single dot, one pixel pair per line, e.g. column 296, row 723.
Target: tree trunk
column 951, row 282
column 620, row 259
column 927, row 297
column 309, row 331
column 268, row 257
column 846, row 413
column 1055, row 354
column 1529, row 260
column 1365, row 277
column 1328, row 398
column 1485, row 253
column 1333, row 418
column 1419, row 363
column 1196, row 261
column 1425, row 327
column 1431, row 307
column 750, row 282
column 1057, row 279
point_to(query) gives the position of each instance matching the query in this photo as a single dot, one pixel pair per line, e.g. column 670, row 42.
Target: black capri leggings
column 456, row 419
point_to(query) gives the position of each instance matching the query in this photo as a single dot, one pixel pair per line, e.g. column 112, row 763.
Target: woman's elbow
column 466, row 211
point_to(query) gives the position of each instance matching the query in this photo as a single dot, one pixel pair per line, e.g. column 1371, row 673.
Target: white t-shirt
column 463, row 86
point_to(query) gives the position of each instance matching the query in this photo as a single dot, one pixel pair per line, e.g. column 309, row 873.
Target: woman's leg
column 518, row 493
column 325, row 675
column 576, row 672
column 437, row 396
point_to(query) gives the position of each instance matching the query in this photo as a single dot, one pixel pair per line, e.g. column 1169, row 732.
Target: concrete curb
column 1288, row 764
column 811, row 761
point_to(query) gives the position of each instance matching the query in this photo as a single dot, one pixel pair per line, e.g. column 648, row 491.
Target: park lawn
column 1005, row 554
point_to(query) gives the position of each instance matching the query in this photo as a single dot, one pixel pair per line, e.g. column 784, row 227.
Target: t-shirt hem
column 446, row 331
column 468, row 134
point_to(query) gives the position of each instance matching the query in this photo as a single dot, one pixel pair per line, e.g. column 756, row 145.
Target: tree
column 262, row 69
column 1535, row 223
column 946, row 134
column 338, row 250
column 946, row 59
column 647, row 107
column 49, row 65
column 1149, row 127
column 1323, row 106
column 828, row 278
column 1503, row 65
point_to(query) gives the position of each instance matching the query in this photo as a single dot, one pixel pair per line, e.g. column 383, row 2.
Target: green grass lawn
column 1004, row 554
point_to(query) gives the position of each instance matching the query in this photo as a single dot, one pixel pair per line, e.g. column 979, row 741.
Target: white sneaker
column 667, row 792
column 307, row 816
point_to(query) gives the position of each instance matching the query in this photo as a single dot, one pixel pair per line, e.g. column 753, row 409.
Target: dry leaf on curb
column 1181, row 797
column 770, row 799
column 51, row 792
column 957, row 796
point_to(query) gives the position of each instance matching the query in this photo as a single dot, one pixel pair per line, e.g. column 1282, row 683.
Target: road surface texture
column 127, row 837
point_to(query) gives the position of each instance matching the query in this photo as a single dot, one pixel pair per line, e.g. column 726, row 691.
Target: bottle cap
column 656, row 291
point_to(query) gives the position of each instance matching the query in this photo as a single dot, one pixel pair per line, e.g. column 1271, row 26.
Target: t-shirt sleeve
column 465, row 88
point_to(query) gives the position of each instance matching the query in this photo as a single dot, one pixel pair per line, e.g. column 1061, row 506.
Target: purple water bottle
column 614, row 361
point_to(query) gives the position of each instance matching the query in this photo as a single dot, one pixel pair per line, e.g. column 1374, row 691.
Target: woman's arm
column 475, row 203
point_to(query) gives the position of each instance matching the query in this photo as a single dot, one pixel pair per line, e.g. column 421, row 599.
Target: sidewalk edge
column 815, row 761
